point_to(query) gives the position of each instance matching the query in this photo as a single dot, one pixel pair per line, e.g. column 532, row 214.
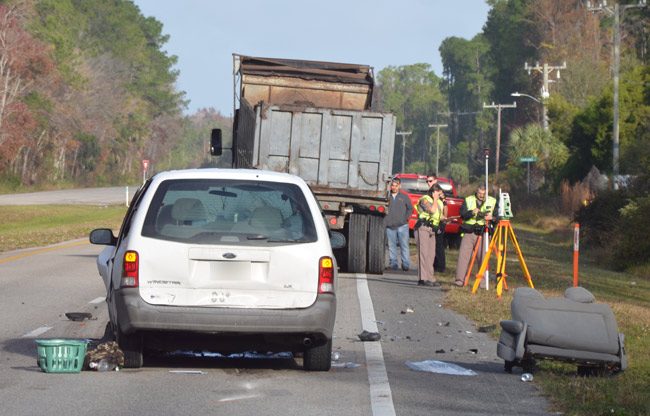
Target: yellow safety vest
column 427, row 216
column 488, row 206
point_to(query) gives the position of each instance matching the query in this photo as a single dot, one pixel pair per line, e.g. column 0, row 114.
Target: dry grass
column 38, row 225
column 547, row 245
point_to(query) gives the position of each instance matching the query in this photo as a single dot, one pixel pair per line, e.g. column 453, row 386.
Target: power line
column 437, row 127
column 403, row 134
column 617, row 11
column 545, row 70
column 499, row 107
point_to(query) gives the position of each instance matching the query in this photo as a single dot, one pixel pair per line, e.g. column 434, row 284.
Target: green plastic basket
column 61, row 355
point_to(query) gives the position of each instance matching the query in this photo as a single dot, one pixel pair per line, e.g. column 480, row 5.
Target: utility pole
column 453, row 120
column 499, row 107
column 545, row 70
column 437, row 127
column 617, row 12
column 519, row 94
column 403, row 134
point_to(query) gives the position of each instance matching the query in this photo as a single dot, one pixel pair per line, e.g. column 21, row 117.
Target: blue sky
column 205, row 33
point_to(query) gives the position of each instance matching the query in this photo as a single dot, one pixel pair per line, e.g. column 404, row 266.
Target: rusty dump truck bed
column 313, row 119
column 309, row 83
column 337, row 151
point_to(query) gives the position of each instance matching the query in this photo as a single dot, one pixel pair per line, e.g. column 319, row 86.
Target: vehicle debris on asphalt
column 440, row 367
column 369, row 336
column 78, row 316
column 108, row 354
column 487, row 328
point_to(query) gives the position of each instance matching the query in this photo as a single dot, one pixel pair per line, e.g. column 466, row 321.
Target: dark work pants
column 440, row 263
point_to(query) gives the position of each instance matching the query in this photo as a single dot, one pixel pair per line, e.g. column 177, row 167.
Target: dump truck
column 315, row 120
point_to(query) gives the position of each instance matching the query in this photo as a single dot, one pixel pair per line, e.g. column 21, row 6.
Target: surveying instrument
column 499, row 245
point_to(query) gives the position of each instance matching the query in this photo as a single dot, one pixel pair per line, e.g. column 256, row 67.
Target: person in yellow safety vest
column 430, row 213
column 475, row 211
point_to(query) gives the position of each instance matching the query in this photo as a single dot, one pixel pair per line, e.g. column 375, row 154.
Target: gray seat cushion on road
column 573, row 327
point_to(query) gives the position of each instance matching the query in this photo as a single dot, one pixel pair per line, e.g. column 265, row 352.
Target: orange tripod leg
column 486, row 261
column 501, row 264
column 524, row 268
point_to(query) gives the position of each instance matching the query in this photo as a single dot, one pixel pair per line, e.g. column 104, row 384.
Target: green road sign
column 528, row 159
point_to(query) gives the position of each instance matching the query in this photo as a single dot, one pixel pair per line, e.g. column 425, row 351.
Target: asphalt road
column 38, row 286
column 87, row 196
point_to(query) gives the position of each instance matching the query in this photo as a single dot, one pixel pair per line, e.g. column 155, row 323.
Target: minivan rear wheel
column 318, row 358
column 131, row 346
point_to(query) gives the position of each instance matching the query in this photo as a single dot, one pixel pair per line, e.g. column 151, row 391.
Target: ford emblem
column 229, row 255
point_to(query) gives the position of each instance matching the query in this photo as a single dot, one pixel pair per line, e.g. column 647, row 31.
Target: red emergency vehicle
column 415, row 185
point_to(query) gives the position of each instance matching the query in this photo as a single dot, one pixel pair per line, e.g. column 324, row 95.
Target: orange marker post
column 576, row 253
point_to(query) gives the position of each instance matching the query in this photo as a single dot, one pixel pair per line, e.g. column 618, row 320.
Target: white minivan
column 229, row 260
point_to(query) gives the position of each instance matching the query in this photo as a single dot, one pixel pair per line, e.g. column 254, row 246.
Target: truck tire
column 376, row 244
column 357, row 242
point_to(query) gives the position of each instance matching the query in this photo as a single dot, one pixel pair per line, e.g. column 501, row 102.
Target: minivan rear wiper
column 286, row 240
column 257, row 237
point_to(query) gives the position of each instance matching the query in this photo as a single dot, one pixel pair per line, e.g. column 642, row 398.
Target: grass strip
column 548, row 255
column 39, row 225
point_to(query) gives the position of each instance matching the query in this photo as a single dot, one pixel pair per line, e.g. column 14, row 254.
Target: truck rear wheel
column 357, row 241
column 376, row 244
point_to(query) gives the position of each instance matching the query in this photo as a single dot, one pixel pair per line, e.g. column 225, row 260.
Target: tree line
column 488, row 68
column 573, row 155
column 86, row 93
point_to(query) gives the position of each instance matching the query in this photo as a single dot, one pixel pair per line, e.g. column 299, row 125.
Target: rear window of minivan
column 219, row 211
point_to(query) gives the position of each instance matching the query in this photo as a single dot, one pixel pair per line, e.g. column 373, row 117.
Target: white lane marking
column 381, row 398
column 37, row 332
column 240, row 397
column 98, row 300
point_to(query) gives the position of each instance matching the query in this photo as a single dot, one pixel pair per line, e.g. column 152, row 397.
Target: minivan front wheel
column 131, row 346
column 318, row 358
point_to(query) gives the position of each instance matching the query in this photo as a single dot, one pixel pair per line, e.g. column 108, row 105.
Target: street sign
column 145, row 166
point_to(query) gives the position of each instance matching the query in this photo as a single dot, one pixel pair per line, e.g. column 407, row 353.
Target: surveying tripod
column 498, row 244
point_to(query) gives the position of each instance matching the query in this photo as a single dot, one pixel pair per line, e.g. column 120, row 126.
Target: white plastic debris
column 346, row 365
column 440, row 367
column 526, row 377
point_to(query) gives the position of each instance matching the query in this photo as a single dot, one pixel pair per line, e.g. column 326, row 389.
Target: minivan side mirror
column 103, row 236
column 337, row 239
column 216, row 144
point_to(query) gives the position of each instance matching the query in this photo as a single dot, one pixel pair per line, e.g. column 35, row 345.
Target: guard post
column 576, row 253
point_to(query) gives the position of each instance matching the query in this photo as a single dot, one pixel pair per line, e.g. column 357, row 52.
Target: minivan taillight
column 325, row 275
column 130, row 269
